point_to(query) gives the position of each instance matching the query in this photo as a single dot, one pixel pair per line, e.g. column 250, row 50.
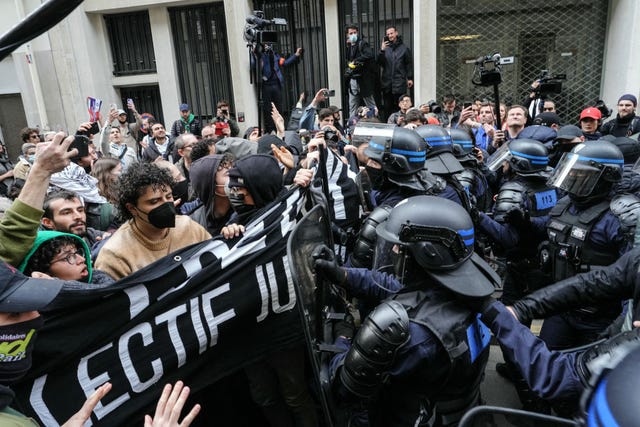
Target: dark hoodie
column 262, row 177
column 203, row 181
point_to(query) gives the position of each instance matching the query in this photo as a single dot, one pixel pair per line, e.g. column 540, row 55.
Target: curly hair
column 201, row 149
column 102, row 170
column 135, row 181
column 47, row 251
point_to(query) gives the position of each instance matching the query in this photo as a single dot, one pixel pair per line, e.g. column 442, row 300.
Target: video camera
column 488, row 70
column 255, row 29
column 604, row 110
column 550, row 83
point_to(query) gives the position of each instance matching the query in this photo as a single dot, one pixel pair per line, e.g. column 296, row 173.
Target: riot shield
column 313, row 230
column 482, row 416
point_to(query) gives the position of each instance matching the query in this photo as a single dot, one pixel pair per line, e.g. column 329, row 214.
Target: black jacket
column 397, row 67
column 362, row 55
column 622, row 126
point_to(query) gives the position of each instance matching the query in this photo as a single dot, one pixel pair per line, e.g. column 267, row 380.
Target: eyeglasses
column 71, row 258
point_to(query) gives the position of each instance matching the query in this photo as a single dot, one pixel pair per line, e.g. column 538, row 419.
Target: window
column 131, row 43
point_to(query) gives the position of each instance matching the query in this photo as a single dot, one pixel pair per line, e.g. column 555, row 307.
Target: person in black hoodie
column 254, row 182
column 626, row 122
column 396, row 62
column 209, row 176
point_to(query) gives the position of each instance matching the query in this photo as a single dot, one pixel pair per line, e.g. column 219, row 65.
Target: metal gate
column 202, row 57
column 146, row 99
column 373, row 18
column 305, row 29
column 563, row 36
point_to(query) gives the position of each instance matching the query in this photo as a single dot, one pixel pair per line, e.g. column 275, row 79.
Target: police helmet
column 462, row 144
column 440, row 158
column 613, row 400
column 589, row 170
column 630, row 149
column 436, row 235
column 526, row 157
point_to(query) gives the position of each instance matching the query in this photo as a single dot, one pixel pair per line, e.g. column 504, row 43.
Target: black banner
column 195, row 315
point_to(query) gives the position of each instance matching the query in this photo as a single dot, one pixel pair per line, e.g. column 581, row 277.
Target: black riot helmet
column 462, row 144
column 612, row 401
column 526, row 157
column 630, row 149
column 440, row 158
column 399, row 151
column 589, row 171
column 433, row 235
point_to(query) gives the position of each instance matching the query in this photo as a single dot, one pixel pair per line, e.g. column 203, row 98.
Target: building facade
column 162, row 53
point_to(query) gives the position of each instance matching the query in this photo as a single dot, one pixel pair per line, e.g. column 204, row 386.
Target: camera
column 255, row 29
column 550, row 83
column 330, row 136
column 329, row 93
column 434, row 107
column 488, row 70
column 604, row 110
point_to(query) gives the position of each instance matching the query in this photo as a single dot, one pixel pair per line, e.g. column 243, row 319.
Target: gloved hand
column 326, row 265
column 517, row 217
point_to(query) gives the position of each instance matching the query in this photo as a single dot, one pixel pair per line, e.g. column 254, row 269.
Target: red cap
column 591, row 113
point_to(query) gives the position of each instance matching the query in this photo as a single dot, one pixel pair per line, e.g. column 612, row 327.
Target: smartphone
column 129, row 101
column 329, row 93
column 386, row 39
column 466, row 105
column 94, row 129
column 81, row 142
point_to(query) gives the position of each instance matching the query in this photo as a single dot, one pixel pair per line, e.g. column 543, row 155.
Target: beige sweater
column 128, row 250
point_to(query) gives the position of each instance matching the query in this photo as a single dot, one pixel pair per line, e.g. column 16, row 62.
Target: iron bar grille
column 146, row 99
column 563, row 36
column 131, row 43
column 202, row 58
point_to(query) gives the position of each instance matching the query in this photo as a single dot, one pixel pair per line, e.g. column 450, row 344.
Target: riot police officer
column 476, row 176
column 395, row 165
column 583, row 233
column 441, row 161
column 525, row 192
column 421, row 338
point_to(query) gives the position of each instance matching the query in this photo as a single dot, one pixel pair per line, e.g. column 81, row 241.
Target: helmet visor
column 390, row 258
column 497, row 159
column 575, row 176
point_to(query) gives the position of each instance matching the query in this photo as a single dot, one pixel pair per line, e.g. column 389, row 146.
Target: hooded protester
column 209, row 176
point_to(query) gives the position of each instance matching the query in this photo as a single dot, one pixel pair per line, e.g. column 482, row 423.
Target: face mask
column 353, row 38
column 31, row 158
column 16, row 346
column 181, row 191
column 163, row 216
column 376, row 176
column 238, row 204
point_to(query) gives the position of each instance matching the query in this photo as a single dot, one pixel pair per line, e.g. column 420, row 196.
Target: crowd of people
column 443, row 189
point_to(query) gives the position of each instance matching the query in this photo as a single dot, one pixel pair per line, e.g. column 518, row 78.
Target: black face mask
column 163, row 216
column 376, row 177
column 181, row 191
column 238, row 204
column 16, row 346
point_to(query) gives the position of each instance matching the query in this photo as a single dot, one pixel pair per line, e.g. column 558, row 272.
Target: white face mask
column 353, row 38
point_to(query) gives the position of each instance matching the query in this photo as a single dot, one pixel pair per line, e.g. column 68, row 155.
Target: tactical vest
column 533, row 195
column 463, row 193
column 466, row 341
column 570, row 248
column 469, row 179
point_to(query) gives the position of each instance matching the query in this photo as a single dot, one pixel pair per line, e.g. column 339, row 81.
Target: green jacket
column 18, row 230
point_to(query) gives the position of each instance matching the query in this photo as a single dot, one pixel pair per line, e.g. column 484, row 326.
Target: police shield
column 313, row 230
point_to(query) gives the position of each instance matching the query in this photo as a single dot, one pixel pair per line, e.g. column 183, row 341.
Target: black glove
column 326, row 265
column 474, row 213
column 478, row 305
column 517, row 217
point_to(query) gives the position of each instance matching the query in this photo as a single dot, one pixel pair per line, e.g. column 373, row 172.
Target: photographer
column 224, row 124
column 397, row 118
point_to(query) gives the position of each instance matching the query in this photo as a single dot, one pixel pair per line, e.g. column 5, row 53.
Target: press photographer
column 543, row 86
column 224, row 124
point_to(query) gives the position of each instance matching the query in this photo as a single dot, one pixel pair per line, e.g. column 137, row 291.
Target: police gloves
column 326, row 265
column 517, row 217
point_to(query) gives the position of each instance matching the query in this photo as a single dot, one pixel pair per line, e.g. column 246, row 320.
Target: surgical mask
column 31, row 158
column 353, row 38
column 163, row 216
column 376, row 177
column 16, row 347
